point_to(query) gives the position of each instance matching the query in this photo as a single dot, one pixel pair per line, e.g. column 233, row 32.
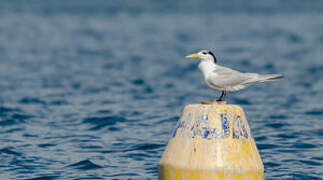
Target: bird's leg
column 222, row 97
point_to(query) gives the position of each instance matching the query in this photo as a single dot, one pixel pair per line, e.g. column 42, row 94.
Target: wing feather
column 231, row 80
column 227, row 78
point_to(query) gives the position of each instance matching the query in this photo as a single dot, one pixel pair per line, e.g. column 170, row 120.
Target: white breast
column 207, row 68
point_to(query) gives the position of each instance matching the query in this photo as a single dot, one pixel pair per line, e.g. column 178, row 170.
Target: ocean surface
column 93, row 89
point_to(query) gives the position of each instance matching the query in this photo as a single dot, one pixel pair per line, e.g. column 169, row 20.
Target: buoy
column 211, row 142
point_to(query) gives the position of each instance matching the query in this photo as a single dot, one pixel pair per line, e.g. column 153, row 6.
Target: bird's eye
column 204, row 53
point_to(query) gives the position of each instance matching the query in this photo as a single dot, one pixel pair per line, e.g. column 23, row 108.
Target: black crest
column 210, row 53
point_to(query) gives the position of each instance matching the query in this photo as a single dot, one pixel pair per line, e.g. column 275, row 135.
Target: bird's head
column 204, row 55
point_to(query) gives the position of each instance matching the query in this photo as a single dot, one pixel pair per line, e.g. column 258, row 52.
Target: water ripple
column 85, row 165
column 44, row 178
column 9, row 151
column 101, row 122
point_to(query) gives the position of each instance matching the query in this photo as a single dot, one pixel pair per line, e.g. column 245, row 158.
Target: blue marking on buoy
column 225, row 125
column 180, row 124
column 206, row 133
column 234, row 135
column 237, row 133
column 245, row 133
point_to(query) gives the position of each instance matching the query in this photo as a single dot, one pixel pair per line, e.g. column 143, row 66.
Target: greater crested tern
column 226, row 79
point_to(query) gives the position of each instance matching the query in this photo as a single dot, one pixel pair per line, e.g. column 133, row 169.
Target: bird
column 226, row 79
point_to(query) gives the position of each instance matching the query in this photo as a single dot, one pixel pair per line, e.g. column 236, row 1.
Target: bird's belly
column 212, row 85
column 225, row 88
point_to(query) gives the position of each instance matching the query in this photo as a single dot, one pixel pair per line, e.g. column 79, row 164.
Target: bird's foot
column 219, row 102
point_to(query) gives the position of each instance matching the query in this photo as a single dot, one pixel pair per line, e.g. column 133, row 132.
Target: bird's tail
column 263, row 78
column 270, row 77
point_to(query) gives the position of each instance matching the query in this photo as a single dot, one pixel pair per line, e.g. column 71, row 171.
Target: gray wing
column 229, row 79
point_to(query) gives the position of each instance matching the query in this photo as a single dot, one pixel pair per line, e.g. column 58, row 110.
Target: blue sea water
column 93, row 89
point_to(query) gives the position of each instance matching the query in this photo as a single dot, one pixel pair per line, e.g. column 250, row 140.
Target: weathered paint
column 211, row 142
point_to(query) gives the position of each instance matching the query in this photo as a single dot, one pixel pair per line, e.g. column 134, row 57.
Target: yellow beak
column 193, row 56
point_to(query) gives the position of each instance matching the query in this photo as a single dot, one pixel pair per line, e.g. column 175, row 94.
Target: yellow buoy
column 211, row 142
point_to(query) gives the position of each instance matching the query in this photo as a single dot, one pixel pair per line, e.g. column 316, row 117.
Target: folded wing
column 231, row 80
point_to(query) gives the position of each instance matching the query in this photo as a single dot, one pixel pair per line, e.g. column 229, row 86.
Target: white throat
column 207, row 67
